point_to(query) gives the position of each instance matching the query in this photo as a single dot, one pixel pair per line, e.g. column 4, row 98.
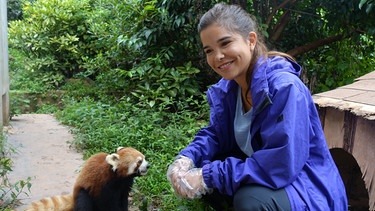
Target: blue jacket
column 290, row 149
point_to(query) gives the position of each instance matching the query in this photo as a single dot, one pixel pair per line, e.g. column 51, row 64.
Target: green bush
column 18, row 105
column 22, row 78
column 152, row 84
column 336, row 66
column 53, row 35
column 97, row 39
column 14, row 11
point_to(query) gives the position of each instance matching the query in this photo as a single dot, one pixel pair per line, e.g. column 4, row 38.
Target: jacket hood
column 265, row 71
column 266, row 68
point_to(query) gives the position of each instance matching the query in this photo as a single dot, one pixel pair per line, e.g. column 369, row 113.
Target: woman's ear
column 252, row 38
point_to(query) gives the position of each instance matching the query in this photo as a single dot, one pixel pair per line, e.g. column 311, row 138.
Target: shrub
column 53, row 35
column 336, row 66
column 14, row 11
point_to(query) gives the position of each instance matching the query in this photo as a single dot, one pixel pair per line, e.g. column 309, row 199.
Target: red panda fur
column 61, row 203
column 98, row 170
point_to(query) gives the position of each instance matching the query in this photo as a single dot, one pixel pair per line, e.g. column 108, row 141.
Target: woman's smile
column 226, row 66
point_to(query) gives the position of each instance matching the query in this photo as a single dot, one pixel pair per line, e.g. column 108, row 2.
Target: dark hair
column 238, row 20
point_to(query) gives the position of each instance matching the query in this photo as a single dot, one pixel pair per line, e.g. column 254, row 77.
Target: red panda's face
column 128, row 161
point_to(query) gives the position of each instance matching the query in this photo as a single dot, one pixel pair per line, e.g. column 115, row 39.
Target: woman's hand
column 192, row 184
column 178, row 168
column 186, row 180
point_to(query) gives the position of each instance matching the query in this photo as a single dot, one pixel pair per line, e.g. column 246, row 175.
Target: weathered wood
column 363, row 152
column 348, row 118
column 358, row 97
column 350, row 122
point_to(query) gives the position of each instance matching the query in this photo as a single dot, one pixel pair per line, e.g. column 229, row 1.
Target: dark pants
column 250, row 198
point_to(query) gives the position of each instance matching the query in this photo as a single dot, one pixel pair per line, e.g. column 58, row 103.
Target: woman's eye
column 225, row 43
column 207, row 51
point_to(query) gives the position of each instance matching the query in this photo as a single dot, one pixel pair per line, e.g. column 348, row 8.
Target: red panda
column 104, row 183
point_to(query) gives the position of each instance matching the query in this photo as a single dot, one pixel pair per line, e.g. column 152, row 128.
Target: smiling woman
column 264, row 148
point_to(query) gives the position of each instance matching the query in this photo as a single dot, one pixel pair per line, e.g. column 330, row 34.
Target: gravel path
column 42, row 153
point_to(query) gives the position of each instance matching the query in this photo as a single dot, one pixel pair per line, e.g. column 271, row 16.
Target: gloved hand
column 192, row 184
column 178, row 168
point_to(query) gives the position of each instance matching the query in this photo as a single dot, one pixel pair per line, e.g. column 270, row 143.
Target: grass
column 159, row 134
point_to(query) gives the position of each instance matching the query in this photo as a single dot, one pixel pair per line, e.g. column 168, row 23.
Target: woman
column 264, row 148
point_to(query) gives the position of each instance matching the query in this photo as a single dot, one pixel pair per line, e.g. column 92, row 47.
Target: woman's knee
column 254, row 197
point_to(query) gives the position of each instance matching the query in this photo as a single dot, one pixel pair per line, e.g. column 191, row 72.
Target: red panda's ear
column 119, row 148
column 113, row 160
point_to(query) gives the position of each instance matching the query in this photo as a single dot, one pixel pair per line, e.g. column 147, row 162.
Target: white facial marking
column 143, row 167
column 132, row 168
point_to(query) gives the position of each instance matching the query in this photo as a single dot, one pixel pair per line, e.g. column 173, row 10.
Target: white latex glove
column 178, row 168
column 192, row 184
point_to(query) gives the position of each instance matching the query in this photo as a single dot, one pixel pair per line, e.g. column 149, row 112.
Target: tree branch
column 280, row 26
column 273, row 12
column 314, row 45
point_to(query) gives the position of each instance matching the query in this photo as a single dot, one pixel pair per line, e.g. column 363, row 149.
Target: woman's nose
column 219, row 56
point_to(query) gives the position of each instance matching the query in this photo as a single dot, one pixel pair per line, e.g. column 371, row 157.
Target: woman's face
column 228, row 53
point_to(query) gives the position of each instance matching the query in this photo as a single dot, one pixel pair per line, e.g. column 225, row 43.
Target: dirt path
column 44, row 155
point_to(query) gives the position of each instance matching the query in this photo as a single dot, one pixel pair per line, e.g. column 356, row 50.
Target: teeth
column 225, row 65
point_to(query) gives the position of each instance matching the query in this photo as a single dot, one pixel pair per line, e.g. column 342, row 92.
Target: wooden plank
column 367, row 85
column 364, row 98
column 341, row 93
column 369, row 76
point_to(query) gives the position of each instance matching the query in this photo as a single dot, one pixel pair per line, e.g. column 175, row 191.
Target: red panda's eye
column 139, row 162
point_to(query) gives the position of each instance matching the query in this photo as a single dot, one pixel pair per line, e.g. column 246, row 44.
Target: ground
column 44, row 154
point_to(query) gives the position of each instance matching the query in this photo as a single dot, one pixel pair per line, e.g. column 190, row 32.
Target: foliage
column 164, row 85
column 303, row 26
column 18, row 104
column 9, row 191
column 74, row 40
column 46, row 108
column 14, row 11
column 52, row 35
column 159, row 134
column 22, row 78
column 337, row 66
column 369, row 5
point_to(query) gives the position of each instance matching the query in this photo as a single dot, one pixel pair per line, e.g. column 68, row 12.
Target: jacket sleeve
column 213, row 140
column 284, row 132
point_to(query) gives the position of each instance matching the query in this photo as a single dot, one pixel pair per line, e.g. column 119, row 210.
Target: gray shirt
column 242, row 123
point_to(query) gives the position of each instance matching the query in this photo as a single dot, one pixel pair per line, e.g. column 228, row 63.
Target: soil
column 43, row 153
